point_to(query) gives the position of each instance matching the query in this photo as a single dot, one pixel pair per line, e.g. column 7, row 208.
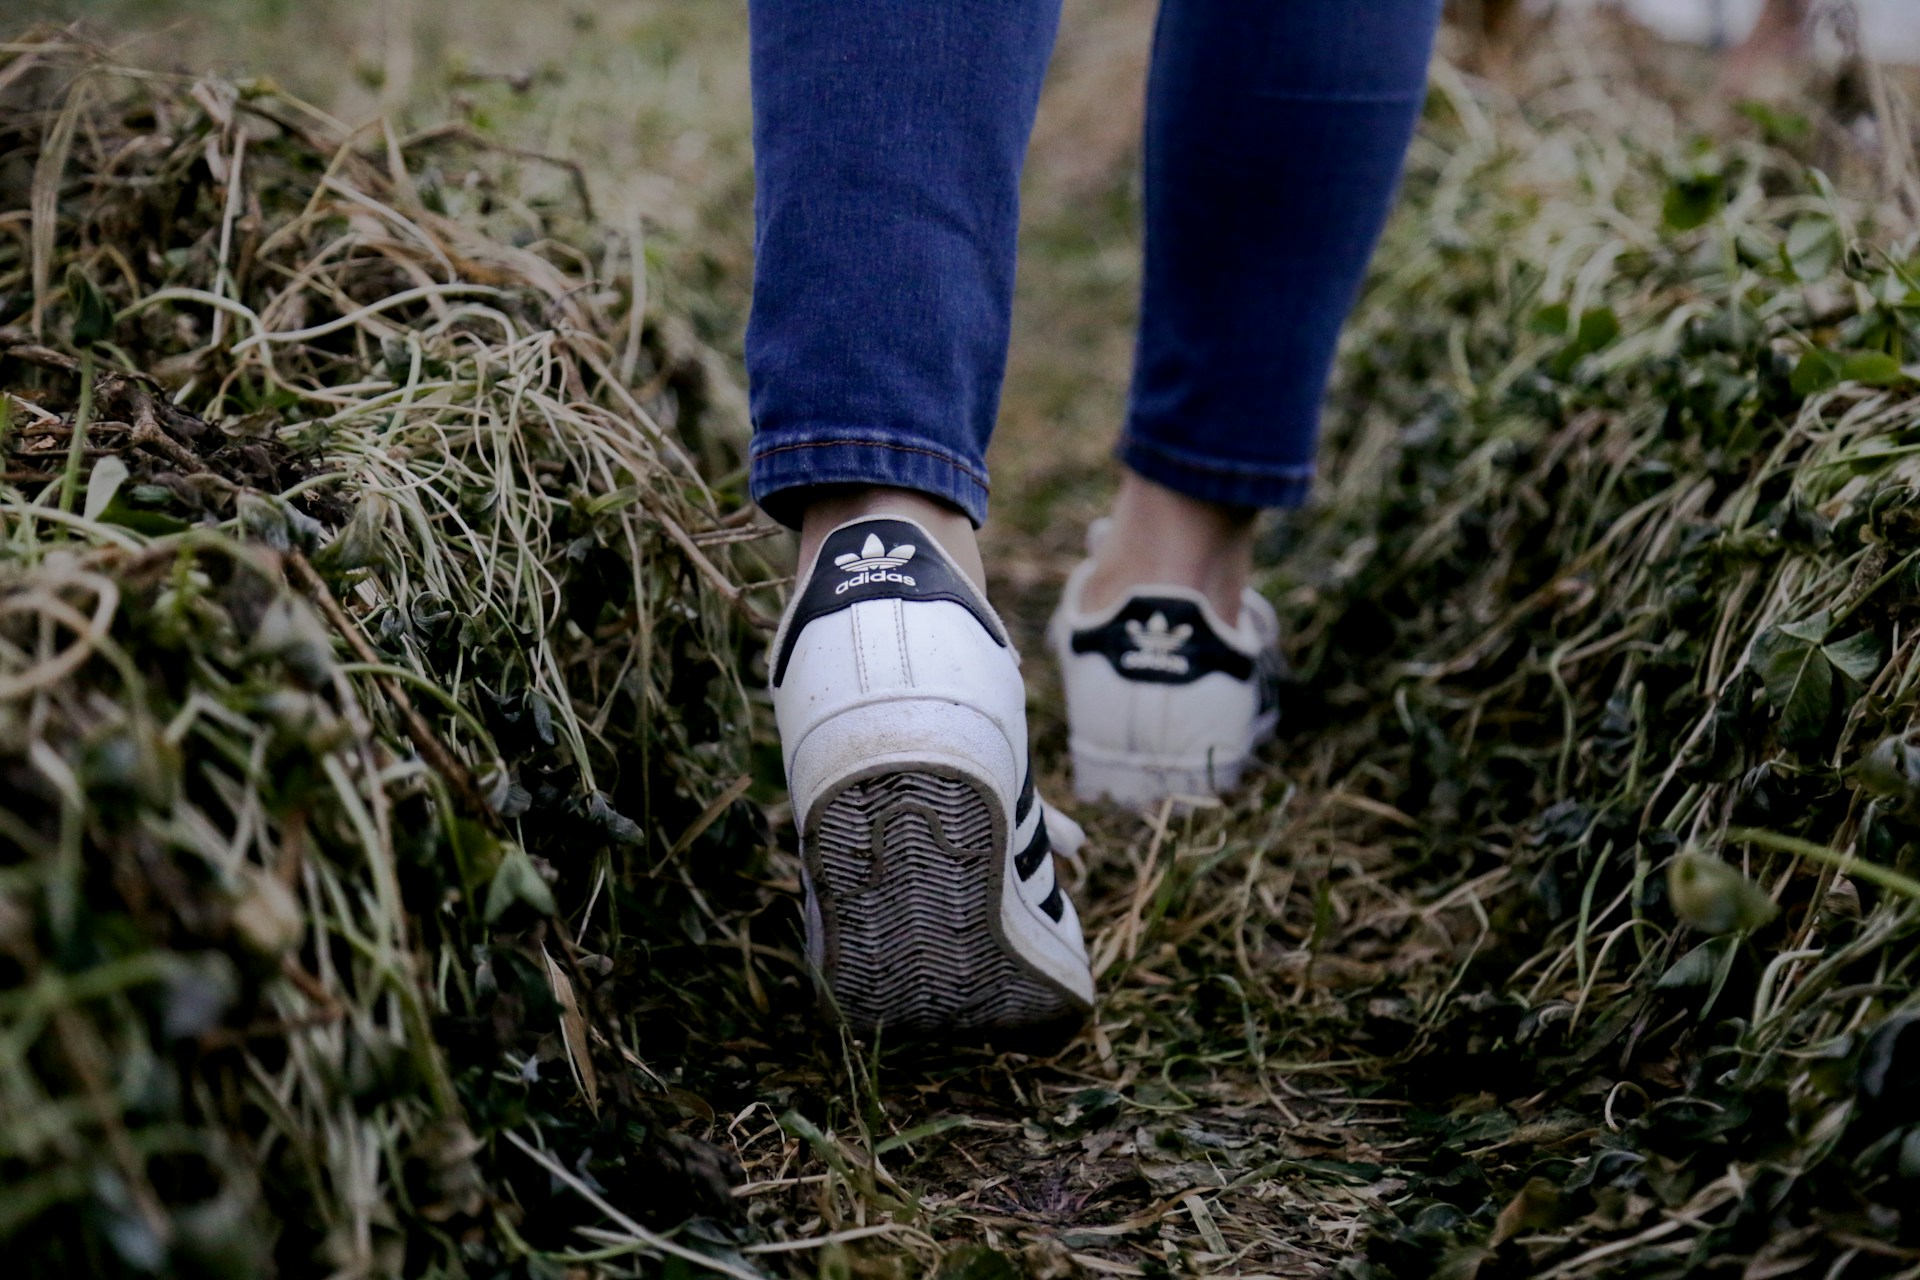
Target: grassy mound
column 1613, row 602
column 384, row 882
column 368, row 643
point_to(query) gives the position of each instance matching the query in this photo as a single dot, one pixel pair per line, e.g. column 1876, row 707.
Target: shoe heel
column 905, row 843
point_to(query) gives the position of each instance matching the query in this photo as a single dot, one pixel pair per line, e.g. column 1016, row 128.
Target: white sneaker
column 932, row 903
column 1164, row 698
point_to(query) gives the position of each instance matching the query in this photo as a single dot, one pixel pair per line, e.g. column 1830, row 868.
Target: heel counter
column 1109, row 711
column 1190, row 721
column 878, row 559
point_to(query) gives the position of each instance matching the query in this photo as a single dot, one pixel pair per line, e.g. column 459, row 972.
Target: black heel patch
column 877, row 560
column 1163, row 640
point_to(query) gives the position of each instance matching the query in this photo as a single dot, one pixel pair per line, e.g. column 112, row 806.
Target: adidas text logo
column 874, row 564
column 1157, row 647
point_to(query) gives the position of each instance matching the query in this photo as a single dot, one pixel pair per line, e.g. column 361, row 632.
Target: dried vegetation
column 344, row 704
column 392, row 876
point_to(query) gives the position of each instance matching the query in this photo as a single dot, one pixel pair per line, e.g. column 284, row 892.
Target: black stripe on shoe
column 1054, row 904
column 1024, row 805
column 1028, row 860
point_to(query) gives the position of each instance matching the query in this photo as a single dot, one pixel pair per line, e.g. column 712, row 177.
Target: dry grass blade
column 316, row 725
column 1615, row 560
column 49, row 169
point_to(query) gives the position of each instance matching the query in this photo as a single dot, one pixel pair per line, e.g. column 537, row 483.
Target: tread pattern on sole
column 906, row 866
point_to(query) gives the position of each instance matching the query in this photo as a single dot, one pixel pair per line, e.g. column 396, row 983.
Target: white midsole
column 1139, row 779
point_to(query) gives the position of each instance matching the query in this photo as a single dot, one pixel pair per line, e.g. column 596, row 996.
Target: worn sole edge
column 1034, row 1036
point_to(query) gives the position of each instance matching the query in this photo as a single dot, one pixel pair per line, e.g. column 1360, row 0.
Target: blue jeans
column 888, row 140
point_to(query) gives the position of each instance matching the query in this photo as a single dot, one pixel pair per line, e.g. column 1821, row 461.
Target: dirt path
column 1223, row 1115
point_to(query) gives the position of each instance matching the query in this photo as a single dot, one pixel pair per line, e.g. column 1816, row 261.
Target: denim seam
column 851, row 443
column 1238, row 471
column 1341, row 99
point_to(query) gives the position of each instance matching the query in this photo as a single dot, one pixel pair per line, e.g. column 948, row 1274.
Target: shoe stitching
column 859, row 650
column 900, row 633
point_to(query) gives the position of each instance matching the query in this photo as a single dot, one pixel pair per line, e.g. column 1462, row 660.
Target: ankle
column 949, row 527
column 1160, row 537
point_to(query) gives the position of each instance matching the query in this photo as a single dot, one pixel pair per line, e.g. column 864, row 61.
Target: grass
column 329, row 712
column 408, row 882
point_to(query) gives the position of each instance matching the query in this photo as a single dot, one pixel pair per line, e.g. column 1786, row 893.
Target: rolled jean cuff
column 781, row 467
column 1232, row 484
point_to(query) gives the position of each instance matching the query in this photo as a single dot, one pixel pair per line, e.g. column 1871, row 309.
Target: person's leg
column 888, row 142
column 889, row 138
column 1275, row 137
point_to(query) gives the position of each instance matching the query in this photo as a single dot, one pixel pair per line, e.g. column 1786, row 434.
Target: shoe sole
column 907, row 868
column 1141, row 781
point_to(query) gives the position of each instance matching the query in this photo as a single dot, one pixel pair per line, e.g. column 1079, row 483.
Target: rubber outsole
column 906, row 869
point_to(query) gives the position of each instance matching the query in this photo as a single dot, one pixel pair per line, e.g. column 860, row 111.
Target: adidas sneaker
column 932, row 904
column 1164, row 698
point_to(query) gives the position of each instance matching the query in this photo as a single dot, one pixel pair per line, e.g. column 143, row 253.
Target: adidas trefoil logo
column 1156, row 647
column 874, row 564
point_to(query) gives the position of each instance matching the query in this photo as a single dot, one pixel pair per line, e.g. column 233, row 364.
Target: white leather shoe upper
column 1164, row 697
column 884, row 616
column 890, row 659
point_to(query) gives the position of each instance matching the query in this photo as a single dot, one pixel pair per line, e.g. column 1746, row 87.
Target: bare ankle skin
column 1163, row 538
column 949, row 527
